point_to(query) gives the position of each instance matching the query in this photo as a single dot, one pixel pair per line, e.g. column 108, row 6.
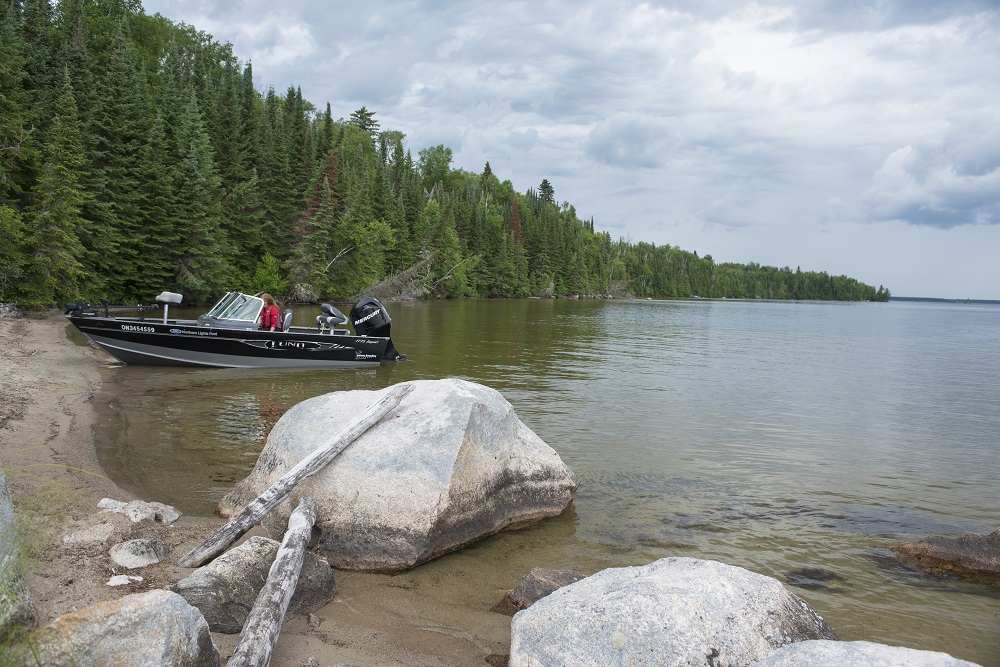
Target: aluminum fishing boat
column 228, row 336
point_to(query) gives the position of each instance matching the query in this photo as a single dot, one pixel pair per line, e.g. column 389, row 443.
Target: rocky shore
column 56, row 483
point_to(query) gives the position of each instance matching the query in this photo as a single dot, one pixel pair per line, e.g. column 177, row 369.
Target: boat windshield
column 237, row 306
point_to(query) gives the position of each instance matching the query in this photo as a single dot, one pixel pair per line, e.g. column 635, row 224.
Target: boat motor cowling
column 370, row 318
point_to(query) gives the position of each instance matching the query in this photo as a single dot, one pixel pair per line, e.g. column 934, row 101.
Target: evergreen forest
column 137, row 156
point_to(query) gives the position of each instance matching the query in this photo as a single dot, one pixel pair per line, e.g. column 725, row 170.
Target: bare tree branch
column 16, row 144
column 339, row 255
column 447, row 274
column 410, row 283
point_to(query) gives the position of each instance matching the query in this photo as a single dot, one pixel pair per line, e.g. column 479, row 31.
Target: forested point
column 137, row 156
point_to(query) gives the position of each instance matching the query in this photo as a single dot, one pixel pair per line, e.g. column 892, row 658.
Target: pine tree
column 546, row 192
column 159, row 241
column 41, row 76
column 280, row 194
column 19, row 155
column 55, row 273
column 114, row 214
column 320, row 244
column 203, row 270
column 365, row 121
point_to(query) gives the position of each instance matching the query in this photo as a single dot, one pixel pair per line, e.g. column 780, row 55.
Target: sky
column 853, row 137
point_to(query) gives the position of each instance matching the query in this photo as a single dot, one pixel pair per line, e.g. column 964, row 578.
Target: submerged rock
column 535, row 585
column 450, row 465
column 674, row 611
column 971, row 555
column 813, row 578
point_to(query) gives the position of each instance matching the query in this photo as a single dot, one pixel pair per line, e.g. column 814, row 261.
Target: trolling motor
column 370, row 318
column 82, row 308
column 79, row 308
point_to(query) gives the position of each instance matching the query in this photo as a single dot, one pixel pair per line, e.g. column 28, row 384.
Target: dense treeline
column 136, row 155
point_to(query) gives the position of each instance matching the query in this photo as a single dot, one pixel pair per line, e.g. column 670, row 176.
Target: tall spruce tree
column 280, row 194
column 120, row 130
column 55, row 273
column 203, row 269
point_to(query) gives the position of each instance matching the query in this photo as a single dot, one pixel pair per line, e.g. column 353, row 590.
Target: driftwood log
column 258, row 508
column 260, row 632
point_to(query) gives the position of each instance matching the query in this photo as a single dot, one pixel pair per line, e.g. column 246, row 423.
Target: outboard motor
column 370, row 318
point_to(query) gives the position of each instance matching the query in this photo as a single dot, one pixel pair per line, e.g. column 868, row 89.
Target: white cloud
column 946, row 184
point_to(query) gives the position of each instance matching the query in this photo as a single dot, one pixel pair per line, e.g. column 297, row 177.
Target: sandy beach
column 47, row 450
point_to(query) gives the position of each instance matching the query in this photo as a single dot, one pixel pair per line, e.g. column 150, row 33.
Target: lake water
column 793, row 439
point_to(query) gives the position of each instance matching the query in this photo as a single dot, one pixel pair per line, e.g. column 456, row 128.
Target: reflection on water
column 785, row 438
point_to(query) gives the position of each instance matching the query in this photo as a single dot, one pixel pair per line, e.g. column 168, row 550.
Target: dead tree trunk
column 263, row 624
column 252, row 514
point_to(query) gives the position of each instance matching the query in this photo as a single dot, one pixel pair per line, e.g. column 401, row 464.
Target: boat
column 227, row 336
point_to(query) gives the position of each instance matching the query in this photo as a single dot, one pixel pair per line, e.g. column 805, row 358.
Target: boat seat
column 286, row 320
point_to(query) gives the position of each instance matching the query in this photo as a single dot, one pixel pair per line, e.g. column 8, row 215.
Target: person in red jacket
column 270, row 316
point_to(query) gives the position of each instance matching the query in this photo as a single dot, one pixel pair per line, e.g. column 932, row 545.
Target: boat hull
column 186, row 343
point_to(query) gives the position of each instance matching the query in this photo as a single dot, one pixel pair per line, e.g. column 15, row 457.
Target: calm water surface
column 787, row 438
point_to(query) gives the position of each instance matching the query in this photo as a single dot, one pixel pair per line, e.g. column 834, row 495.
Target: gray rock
column 225, row 589
column 99, row 534
column 139, row 510
column 450, row 465
column 675, row 611
column 856, row 654
column 535, row 585
column 17, row 611
column 139, row 553
column 975, row 555
column 155, row 628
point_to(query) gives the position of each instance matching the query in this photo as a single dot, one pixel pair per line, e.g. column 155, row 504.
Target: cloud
column 947, row 184
column 632, row 140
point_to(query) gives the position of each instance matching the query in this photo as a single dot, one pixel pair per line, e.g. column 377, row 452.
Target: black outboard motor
column 370, row 318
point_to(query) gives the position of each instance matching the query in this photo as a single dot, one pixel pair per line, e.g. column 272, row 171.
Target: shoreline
column 47, row 447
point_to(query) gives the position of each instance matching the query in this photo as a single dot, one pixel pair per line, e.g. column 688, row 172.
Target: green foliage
column 365, row 121
column 268, row 277
column 54, row 272
column 14, row 255
column 137, row 155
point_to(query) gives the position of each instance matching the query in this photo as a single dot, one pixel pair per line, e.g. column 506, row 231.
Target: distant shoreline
column 932, row 299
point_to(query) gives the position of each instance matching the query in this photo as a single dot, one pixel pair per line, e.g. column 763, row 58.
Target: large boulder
column 675, row 611
column 451, row 464
column 16, row 608
column 225, row 589
column 155, row 628
column 972, row 555
column 856, row 654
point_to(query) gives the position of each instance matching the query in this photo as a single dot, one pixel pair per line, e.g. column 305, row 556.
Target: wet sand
column 47, row 449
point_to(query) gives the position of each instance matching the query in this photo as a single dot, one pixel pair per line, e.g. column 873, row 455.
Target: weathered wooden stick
column 263, row 624
column 252, row 514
